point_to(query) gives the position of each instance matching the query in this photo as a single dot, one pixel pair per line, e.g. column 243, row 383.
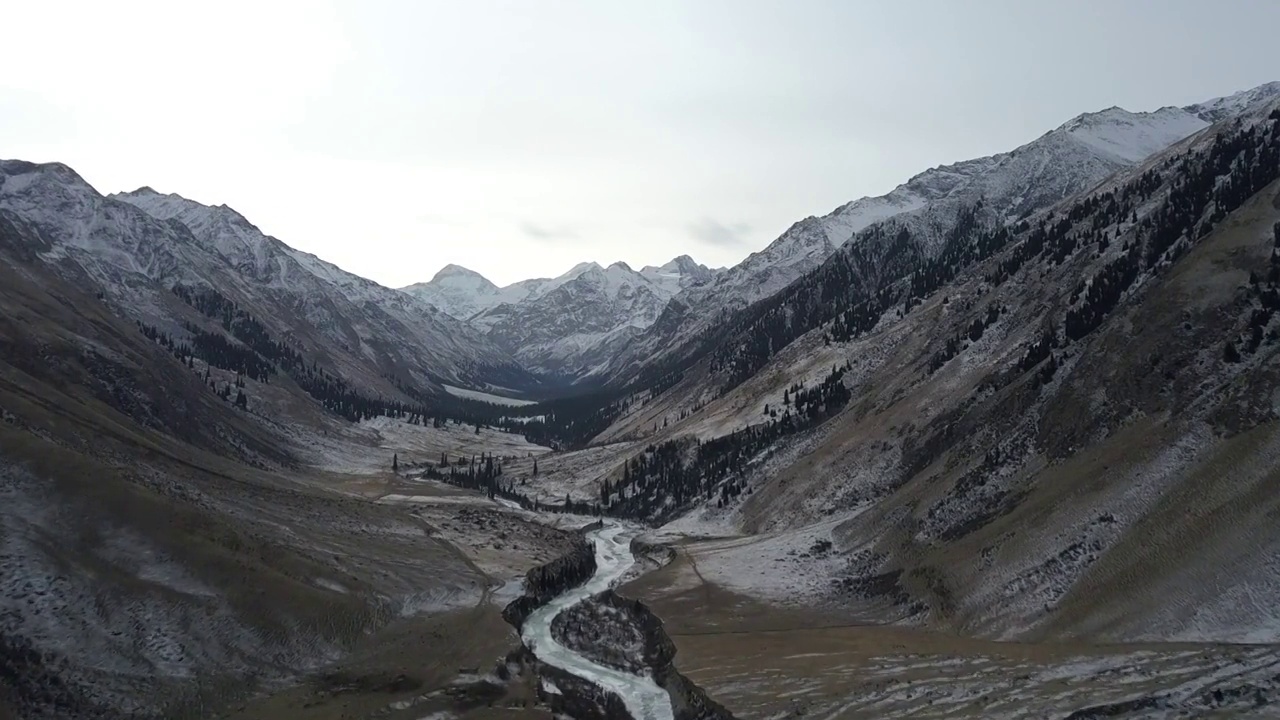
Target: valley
column 1000, row 443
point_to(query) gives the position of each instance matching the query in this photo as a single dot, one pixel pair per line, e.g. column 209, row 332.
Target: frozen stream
column 644, row 699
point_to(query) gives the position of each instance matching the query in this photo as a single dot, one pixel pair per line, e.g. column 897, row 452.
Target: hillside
column 1058, row 428
column 152, row 534
column 1000, row 188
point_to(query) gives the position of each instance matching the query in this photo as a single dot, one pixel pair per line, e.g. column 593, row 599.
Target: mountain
column 1005, row 407
column 1221, row 108
column 679, row 273
column 464, row 293
column 594, row 310
column 572, row 335
column 1004, row 187
column 144, row 248
column 1055, row 427
column 457, row 291
column 163, row 548
column 560, row 326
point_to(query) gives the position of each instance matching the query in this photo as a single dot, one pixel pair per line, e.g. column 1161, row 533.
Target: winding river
column 644, row 699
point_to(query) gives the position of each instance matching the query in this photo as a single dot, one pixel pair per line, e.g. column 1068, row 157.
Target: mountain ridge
column 1066, row 160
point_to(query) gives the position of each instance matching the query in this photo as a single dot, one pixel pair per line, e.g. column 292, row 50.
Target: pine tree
column 395, row 462
column 1230, row 354
column 535, row 467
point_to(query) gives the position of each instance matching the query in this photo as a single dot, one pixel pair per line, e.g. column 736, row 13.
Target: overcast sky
column 520, row 138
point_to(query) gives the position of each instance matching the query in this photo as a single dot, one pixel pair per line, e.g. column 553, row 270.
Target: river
column 644, row 699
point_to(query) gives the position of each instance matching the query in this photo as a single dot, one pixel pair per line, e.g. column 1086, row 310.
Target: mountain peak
column 146, row 191
column 684, row 265
column 456, row 271
column 1218, row 108
column 584, row 267
column 192, row 213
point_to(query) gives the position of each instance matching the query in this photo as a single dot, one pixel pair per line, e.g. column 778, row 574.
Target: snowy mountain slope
column 382, row 327
column 1230, row 105
column 1127, row 138
column 1067, row 160
column 465, row 293
column 462, row 293
column 1070, row 430
column 140, row 245
column 586, row 319
column 1008, row 186
column 680, row 273
column 800, row 249
column 563, row 324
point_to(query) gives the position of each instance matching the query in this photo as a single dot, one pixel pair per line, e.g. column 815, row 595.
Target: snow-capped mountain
column 560, row 325
column 378, row 323
column 680, row 273
column 580, row 319
column 464, row 293
column 139, row 245
column 1232, row 105
column 1026, row 417
column 1008, row 186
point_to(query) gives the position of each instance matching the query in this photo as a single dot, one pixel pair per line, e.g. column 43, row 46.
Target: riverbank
column 600, row 655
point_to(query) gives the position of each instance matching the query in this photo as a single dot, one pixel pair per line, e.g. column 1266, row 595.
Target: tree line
column 669, row 476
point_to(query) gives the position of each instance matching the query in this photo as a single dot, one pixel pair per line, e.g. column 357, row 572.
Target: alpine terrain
column 1002, row 442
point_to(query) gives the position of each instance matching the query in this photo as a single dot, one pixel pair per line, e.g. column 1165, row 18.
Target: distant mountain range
column 562, row 325
column 607, row 323
column 591, row 323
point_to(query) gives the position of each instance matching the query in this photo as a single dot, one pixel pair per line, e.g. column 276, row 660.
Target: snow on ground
column 788, row 567
column 152, row 623
column 437, row 499
column 704, row 521
column 367, row 447
column 1131, row 137
column 843, row 675
column 576, row 474
column 486, row 397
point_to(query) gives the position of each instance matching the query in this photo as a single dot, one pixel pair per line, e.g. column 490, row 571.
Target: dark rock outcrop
column 608, row 629
column 617, row 632
column 549, row 580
